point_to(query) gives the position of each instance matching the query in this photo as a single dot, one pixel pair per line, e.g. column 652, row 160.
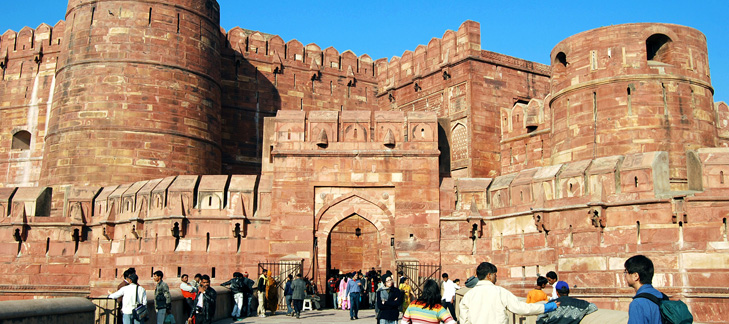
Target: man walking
column 353, row 291
column 487, row 303
column 298, row 294
column 449, row 293
column 288, row 295
column 162, row 298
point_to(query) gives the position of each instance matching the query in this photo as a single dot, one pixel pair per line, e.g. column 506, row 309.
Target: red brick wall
column 349, row 252
column 602, row 65
column 26, row 89
column 138, row 89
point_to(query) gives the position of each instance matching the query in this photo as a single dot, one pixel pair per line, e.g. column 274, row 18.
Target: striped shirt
column 418, row 313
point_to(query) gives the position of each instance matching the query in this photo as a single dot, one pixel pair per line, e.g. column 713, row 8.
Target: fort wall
column 128, row 99
column 28, row 64
column 632, row 88
column 439, row 77
column 262, row 74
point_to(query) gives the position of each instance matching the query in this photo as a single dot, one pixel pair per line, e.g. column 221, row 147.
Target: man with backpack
column 650, row 306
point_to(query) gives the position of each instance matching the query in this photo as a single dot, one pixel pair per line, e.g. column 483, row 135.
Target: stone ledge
column 44, row 307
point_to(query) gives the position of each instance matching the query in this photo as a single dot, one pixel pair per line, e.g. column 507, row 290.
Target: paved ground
column 327, row 316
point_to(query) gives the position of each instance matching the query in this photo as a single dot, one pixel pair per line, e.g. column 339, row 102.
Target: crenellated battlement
column 258, row 46
column 31, row 42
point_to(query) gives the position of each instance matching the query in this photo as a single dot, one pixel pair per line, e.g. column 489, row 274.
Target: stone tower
column 137, row 93
column 629, row 89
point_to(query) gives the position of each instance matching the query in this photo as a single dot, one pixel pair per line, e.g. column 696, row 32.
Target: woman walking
column 388, row 300
column 427, row 309
column 343, row 299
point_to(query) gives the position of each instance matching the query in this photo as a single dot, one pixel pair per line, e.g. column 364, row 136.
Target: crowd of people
column 393, row 298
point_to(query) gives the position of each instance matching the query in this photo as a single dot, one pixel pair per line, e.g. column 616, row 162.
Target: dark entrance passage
column 353, row 244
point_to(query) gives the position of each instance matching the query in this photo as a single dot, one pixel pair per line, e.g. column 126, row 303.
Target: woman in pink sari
column 343, row 300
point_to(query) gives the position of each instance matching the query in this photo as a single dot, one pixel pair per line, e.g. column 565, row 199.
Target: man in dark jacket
column 162, row 298
column 388, row 301
column 570, row 311
column 204, row 303
column 288, row 292
column 249, row 308
column 299, row 294
column 237, row 287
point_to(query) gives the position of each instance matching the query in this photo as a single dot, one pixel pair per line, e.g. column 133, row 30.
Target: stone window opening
column 721, row 177
column 658, row 48
column 636, row 182
column 21, row 141
column 630, row 104
column 637, row 230
column 48, row 245
column 116, row 273
column 93, row 11
column 179, row 272
column 149, row 18
column 207, row 242
column 724, row 229
column 99, row 273
column 561, row 59
column 212, row 273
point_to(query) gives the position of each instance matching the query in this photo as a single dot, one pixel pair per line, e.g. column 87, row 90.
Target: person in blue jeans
column 353, row 291
column 288, row 293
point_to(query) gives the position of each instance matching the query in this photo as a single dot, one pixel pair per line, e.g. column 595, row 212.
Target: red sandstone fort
column 141, row 134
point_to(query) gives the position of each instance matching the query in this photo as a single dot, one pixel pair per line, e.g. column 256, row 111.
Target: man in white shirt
column 449, row 292
column 488, row 303
column 552, row 279
column 132, row 295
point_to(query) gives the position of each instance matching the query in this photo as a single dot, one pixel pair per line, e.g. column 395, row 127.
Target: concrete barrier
column 47, row 311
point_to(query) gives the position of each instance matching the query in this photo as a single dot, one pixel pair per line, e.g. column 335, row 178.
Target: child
column 537, row 294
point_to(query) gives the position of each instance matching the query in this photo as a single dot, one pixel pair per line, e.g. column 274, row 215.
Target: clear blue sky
column 524, row 29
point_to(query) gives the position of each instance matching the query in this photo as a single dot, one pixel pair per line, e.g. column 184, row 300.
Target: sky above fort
column 524, row 29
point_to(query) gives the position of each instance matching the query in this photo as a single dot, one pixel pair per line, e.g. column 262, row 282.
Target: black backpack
column 672, row 311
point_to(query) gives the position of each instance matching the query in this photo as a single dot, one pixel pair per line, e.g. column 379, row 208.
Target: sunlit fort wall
column 139, row 133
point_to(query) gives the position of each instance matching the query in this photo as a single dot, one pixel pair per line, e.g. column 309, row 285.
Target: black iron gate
column 418, row 273
column 279, row 271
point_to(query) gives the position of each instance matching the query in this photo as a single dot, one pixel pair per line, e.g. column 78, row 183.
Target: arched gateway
column 335, row 221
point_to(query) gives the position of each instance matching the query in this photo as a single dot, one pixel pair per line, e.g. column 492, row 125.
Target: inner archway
column 353, row 244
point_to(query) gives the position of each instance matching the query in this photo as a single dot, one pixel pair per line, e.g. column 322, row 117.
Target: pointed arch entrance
column 353, row 244
column 339, row 220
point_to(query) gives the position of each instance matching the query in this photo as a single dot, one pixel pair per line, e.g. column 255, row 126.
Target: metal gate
column 279, row 271
column 418, row 273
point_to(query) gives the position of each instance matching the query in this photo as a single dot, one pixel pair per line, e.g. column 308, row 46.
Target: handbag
column 140, row 311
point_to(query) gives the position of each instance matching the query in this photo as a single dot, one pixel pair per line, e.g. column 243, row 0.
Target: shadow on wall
column 247, row 96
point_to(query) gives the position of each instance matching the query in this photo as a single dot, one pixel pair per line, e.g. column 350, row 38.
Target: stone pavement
column 327, row 316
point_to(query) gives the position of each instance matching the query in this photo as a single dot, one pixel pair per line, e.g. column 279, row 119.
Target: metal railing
column 280, row 271
column 106, row 310
column 418, row 273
